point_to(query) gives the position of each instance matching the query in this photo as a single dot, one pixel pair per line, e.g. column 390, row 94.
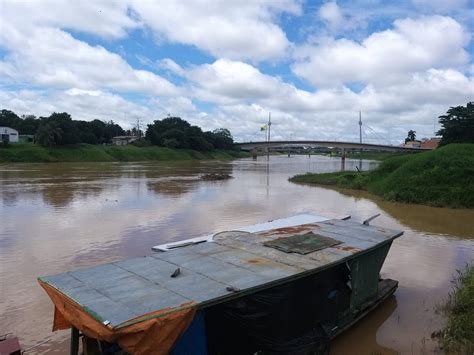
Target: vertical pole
column 360, row 139
column 269, row 125
column 343, row 159
column 74, row 350
column 268, row 139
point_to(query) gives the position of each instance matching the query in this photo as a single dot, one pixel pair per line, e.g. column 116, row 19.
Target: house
column 123, row 140
column 413, row 144
column 9, row 135
column 431, row 143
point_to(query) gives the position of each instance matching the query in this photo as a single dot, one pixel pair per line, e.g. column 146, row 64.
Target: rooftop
column 206, row 273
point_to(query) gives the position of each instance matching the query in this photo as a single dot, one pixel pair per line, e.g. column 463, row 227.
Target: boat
column 287, row 286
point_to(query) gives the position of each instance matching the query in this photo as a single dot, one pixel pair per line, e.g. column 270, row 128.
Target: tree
column 70, row 134
column 29, row 124
column 48, row 134
column 457, row 125
column 411, row 136
column 222, row 139
column 10, row 119
column 157, row 131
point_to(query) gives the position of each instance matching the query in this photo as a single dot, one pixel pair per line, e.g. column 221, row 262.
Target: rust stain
column 257, row 261
column 347, row 248
column 290, row 230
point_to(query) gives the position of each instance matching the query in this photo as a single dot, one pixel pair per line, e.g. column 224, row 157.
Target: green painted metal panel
column 365, row 274
column 302, row 243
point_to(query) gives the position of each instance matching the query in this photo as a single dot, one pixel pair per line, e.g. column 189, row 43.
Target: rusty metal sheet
column 302, row 243
column 259, row 250
column 213, row 272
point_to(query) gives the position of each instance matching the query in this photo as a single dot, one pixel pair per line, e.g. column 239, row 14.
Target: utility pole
column 360, row 140
column 138, row 128
column 269, row 125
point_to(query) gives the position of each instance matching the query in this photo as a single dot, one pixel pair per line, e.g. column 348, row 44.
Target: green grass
column 442, row 177
column 374, row 155
column 458, row 335
column 32, row 153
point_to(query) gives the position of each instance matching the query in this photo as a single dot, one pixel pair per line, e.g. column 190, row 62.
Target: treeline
column 60, row 129
column 174, row 132
column 457, row 125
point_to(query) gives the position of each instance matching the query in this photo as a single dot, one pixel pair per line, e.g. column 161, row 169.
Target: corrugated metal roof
column 235, row 263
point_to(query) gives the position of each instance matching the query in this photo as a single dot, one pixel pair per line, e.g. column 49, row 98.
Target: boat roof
column 272, row 224
column 233, row 264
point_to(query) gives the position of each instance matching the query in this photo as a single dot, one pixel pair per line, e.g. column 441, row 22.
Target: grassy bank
column 31, row 153
column 374, row 155
column 458, row 335
column 442, row 177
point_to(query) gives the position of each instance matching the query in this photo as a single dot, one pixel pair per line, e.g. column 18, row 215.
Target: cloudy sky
column 312, row 64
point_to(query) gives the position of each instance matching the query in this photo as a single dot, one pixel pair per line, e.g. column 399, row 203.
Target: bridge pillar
column 343, row 159
column 254, row 153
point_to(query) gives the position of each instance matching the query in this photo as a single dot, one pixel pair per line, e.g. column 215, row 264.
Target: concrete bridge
column 343, row 146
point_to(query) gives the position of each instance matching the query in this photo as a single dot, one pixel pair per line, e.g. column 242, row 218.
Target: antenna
column 360, row 127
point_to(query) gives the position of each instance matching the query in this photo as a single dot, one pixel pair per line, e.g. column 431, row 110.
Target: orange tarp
column 153, row 333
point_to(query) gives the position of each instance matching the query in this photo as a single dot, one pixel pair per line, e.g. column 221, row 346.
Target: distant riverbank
column 32, row 153
column 442, row 177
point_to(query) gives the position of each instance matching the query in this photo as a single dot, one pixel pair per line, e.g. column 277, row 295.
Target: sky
column 227, row 64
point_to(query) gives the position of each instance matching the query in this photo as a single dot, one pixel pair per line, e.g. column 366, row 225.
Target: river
column 63, row 216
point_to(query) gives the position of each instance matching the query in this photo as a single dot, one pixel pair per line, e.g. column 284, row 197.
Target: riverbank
column 458, row 335
column 441, row 178
column 32, row 153
column 380, row 156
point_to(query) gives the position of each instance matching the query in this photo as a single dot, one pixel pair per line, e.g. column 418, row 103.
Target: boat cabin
column 287, row 286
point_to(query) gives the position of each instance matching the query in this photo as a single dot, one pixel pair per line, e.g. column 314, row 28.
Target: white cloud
column 108, row 19
column 230, row 29
column 332, row 15
column 389, row 56
column 54, row 58
column 81, row 104
column 410, row 73
column 243, row 96
column 171, row 65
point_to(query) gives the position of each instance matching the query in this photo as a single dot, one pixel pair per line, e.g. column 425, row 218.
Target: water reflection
column 172, row 187
column 435, row 220
column 362, row 337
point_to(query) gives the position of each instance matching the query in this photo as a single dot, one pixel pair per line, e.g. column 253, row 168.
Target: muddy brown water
column 59, row 217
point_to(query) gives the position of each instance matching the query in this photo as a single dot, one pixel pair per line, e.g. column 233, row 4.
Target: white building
column 9, row 135
column 123, row 140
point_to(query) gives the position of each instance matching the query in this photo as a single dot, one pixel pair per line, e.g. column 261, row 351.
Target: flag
column 263, row 127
